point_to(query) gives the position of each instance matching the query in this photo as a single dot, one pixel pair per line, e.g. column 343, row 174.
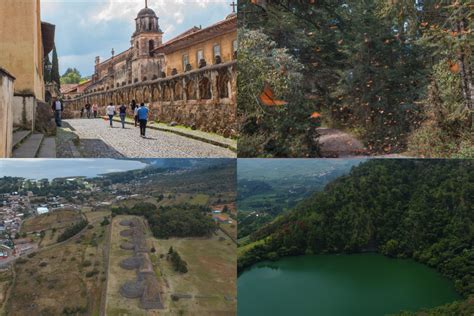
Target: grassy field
column 5, row 283
column 52, row 224
column 211, row 276
column 230, row 229
column 57, row 219
column 69, row 275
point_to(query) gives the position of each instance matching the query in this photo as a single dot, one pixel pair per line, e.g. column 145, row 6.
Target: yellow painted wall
column 21, row 51
column 175, row 59
column 6, row 116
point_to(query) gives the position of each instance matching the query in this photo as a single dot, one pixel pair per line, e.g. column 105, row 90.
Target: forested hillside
column 270, row 187
column 420, row 209
column 396, row 74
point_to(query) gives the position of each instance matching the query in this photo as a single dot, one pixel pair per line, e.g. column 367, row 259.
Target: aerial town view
column 118, row 237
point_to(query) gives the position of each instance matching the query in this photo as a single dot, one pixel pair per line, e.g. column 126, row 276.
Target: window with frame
column 199, row 56
column 217, row 50
column 185, row 61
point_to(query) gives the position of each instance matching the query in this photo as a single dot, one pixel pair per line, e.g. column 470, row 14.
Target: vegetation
column 72, row 230
column 179, row 264
column 173, row 221
column 43, row 187
column 392, row 72
column 72, row 75
column 55, row 77
column 401, row 208
column 268, row 189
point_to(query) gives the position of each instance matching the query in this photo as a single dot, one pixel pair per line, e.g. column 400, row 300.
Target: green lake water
column 341, row 285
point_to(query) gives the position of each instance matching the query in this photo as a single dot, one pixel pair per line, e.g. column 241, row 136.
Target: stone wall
column 6, row 120
column 205, row 99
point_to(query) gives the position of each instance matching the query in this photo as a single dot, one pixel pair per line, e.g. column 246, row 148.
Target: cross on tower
column 233, row 5
column 146, row 3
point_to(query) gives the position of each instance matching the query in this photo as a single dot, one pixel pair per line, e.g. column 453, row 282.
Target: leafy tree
column 72, row 75
column 267, row 130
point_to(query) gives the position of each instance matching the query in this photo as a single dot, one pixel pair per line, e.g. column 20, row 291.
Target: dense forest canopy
column 398, row 74
column 420, row 209
column 173, row 221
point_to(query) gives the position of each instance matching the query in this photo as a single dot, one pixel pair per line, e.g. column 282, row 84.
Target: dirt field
column 211, row 276
column 64, row 276
column 116, row 304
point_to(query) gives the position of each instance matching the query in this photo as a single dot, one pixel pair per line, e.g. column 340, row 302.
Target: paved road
column 100, row 141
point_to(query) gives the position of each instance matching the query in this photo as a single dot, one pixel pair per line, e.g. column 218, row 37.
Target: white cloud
column 127, row 10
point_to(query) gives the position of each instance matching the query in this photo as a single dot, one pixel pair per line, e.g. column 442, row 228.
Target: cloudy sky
column 89, row 28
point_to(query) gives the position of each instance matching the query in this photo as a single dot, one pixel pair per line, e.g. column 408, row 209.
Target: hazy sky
column 89, row 28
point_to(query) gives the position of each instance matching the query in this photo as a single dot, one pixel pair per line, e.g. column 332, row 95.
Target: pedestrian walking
column 88, row 110
column 134, row 107
column 95, row 109
column 58, row 109
column 135, row 115
column 82, row 112
column 143, row 118
column 111, row 113
column 123, row 113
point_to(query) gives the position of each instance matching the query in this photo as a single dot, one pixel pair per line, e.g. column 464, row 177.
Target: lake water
column 58, row 168
column 333, row 285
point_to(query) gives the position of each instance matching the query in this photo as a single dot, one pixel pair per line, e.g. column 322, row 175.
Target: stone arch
column 205, row 89
column 223, row 82
column 138, row 96
column 166, row 93
column 178, row 91
column 146, row 95
column 156, row 94
column 191, row 90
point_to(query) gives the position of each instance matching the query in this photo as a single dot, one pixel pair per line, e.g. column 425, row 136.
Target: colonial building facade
column 190, row 79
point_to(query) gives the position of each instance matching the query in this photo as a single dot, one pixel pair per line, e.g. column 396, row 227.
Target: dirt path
column 335, row 143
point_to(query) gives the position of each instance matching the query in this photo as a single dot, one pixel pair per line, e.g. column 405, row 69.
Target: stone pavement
column 98, row 140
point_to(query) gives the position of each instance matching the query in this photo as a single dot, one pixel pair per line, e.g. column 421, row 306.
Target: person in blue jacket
column 143, row 118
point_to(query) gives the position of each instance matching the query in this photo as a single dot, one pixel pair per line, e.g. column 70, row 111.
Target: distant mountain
column 270, row 187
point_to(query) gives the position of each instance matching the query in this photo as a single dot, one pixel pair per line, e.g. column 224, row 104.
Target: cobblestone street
column 98, row 140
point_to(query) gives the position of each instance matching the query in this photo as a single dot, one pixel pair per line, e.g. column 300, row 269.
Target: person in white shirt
column 135, row 114
column 57, row 108
column 111, row 113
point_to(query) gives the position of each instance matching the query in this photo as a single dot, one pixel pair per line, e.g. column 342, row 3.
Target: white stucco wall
column 25, row 104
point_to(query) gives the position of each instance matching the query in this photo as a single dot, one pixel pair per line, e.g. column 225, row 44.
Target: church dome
column 146, row 12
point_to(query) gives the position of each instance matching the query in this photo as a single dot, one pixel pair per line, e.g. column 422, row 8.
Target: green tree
column 72, row 75
column 278, row 131
column 55, row 68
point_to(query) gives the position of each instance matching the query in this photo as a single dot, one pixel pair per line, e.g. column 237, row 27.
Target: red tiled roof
column 192, row 36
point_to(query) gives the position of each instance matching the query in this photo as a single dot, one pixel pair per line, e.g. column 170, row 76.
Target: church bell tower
column 147, row 35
